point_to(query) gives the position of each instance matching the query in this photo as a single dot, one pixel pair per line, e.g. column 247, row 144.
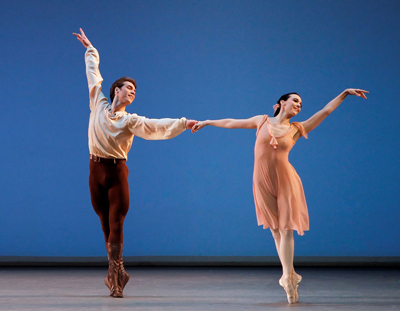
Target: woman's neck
column 282, row 119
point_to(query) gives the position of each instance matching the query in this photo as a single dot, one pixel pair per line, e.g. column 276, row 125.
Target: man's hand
column 190, row 124
column 82, row 37
column 198, row 126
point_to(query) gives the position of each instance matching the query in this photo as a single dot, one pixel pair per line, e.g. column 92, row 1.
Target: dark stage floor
column 199, row 289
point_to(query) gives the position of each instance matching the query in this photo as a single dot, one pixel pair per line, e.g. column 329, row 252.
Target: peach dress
column 278, row 191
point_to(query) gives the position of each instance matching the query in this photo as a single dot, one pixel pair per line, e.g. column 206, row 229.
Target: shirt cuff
column 183, row 120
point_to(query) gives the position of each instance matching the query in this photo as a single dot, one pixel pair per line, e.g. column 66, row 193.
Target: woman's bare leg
column 286, row 251
column 284, row 243
column 277, row 238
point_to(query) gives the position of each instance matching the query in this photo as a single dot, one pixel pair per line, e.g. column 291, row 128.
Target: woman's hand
column 357, row 92
column 198, row 126
column 82, row 37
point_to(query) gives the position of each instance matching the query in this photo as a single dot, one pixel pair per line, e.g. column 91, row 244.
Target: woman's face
column 292, row 105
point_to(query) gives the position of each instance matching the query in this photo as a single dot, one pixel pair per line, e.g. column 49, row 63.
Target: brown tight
column 109, row 192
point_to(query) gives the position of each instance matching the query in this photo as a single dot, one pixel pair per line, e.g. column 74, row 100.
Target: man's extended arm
column 92, row 60
column 158, row 129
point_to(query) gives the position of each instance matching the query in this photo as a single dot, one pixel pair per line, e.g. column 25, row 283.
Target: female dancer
column 278, row 191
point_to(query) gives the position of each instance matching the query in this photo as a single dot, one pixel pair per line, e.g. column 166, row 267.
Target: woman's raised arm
column 318, row 117
column 250, row 123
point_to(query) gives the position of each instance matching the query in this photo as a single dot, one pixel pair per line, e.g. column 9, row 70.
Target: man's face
column 126, row 94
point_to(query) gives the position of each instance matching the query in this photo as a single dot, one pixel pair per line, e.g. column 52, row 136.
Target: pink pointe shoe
column 296, row 281
column 286, row 281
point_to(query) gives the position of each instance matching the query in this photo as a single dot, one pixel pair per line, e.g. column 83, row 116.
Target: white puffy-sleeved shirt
column 111, row 134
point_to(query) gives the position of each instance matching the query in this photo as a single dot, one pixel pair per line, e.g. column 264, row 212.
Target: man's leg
column 118, row 196
column 99, row 196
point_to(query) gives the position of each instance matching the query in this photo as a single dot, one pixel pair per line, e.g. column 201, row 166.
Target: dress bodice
column 279, row 138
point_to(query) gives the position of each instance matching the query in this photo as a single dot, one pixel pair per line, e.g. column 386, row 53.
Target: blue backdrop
column 192, row 195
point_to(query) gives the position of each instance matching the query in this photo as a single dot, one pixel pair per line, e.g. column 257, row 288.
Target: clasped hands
column 194, row 125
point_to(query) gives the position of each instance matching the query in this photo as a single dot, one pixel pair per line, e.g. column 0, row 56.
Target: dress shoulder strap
column 259, row 126
column 301, row 129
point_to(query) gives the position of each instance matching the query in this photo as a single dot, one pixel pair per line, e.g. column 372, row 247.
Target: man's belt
column 95, row 158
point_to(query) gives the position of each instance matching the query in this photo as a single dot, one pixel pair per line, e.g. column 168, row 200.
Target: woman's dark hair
column 120, row 83
column 284, row 97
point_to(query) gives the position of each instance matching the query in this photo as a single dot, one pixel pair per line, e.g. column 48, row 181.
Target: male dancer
column 111, row 131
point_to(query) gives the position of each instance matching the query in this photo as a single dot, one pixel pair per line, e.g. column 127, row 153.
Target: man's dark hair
column 120, row 83
column 284, row 97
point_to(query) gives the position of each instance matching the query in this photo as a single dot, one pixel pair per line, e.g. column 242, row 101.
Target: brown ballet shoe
column 289, row 288
column 112, row 279
column 123, row 276
column 112, row 284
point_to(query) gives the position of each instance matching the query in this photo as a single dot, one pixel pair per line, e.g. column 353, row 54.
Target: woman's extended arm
column 250, row 123
column 317, row 118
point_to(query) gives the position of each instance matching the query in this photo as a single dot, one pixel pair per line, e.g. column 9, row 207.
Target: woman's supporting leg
column 284, row 243
column 277, row 238
column 286, row 251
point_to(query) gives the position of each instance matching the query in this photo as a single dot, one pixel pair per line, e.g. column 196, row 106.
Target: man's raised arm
column 92, row 60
